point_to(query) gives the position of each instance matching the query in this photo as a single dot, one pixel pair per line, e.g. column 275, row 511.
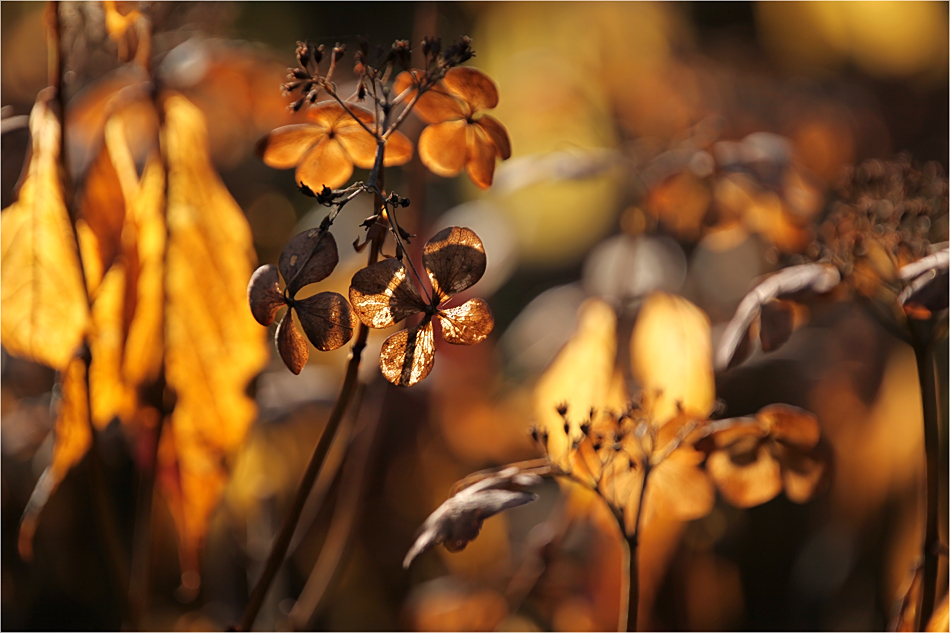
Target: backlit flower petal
column 291, row 344
column 284, row 147
column 454, row 259
column 471, row 86
column 383, row 294
column 467, row 324
column 398, row 150
column 746, row 479
column 498, row 134
column 443, row 147
column 327, row 164
column 359, row 144
column 481, row 156
column 331, row 115
column 407, row 356
column 327, row 319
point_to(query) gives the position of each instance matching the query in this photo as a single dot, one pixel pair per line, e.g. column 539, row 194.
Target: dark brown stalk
column 278, row 551
column 926, row 374
column 105, row 514
column 633, row 559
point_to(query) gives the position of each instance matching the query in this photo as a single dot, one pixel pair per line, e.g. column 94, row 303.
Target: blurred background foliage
column 623, row 117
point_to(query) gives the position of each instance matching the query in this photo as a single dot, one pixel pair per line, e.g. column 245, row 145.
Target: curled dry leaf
column 671, row 354
column 790, row 283
column 459, row 519
column 264, row 295
column 325, row 150
column 308, row 258
column 751, row 460
column 382, row 295
column 457, row 138
column 43, row 305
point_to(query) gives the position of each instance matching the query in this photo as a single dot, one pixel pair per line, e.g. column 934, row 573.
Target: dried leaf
column 459, row 519
column 264, row 295
column 111, row 395
column 671, row 355
column 940, row 619
column 308, row 258
column 213, row 346
column 383, row 294
column 101, row 217
column 454, row 259
column 327, row 319
column 467, row 324
column 407, row 356
column 73, row 438
column 43, row 303
column 291, row 345
column 792, row 282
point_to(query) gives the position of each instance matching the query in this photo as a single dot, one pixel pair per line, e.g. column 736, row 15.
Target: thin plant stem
column 926, row 374
column 633, row 566
column 278, row 551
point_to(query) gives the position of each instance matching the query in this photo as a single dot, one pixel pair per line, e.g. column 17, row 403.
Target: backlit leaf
column 467, row 324
column 383, row 294
column 101, row 217
column 213, row 346
column 43, row 304
column 408, row 355
column 671, row 354
column 73, row 438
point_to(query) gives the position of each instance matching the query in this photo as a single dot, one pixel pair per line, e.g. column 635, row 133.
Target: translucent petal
column 284, row 147
column 331, row 115
column 383, row 294
column 472, row 86
column 327, row 319
column 443, row 147
column 790, row 425
column 481, row 157
column 326, row 164
column 467, row 324
column 359, row 144
column 264, row 295
column 498, row 134
column 748, row 479
column 398, row 150
column 408, row 355
column 454, row 259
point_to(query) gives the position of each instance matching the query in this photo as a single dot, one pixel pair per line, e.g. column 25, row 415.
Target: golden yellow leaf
column 671, row 354
column 110, row 394
column 581, row 376
column 213, row 346
column 43, row 304
column 101, row 217
column 73, row 438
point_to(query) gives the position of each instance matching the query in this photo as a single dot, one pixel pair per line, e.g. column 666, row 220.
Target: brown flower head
column 327, row 318
column 383, row 294
column 753, row 459
column 457, row 136
column 325, row 150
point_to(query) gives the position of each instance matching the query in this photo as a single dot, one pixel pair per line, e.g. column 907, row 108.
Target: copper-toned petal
column 407, row 356
column 746, row 480
column 291, row 344
column 443, row 148
column 454, row 259
column 383, row 294
column 308, row 258
column 331, row 115
column 436, row 104
column 679, row 488
column 482, row 153
column 467, row 324
column 327, row 164
column 498, row 134
column 359, row 144
column 802, row 473
column 471, row 86
column 327, row 320
column 264, row 295
column 405, row 80
column 398, row 150
column 790, row 425
column 284, row 147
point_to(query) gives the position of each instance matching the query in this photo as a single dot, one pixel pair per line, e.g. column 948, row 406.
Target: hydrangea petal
column 284, row 147
column 327, row 164
column 497, row 133
column 408, row 355
column 383, row 294
column 291, row 344
column 471, row 86
column 467, row 324
column 454, row 259
column 327, row 320
column 443, row 147
column 482, row 152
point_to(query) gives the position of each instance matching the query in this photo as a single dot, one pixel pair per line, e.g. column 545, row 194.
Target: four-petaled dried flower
column 455, row 138
column 459, row 519
column 326, row 317
column 325, row 150
column 383, row 294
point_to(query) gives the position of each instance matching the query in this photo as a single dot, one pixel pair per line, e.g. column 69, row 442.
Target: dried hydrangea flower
column 383, row 294
column 326, row 317
column 457, row 137
column 325, row 150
